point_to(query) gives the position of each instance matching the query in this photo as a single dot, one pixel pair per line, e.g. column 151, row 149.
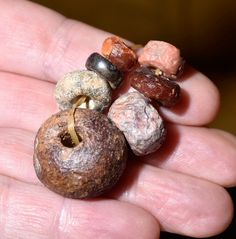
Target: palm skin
column 178, row 189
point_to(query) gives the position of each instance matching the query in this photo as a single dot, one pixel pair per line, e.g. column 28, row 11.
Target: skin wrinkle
column 178, row 156
column 59, row 223
column 57, row 47
column 55, row 229
column 63, row 220
column 23, row 210
column 34, row 45
column 139, row 189
column 12, row 209
column 22, row 97
column 4, row 196
column 164, row 205
column 87, row 215
column 70, row 221
column 131, row 190
column 182, row 218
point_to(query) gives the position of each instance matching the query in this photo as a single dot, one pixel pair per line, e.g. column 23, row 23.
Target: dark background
column 205, row 31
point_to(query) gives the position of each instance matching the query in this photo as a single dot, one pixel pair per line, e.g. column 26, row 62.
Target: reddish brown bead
column 116, row 51
column 166, row 92
column 85, row 170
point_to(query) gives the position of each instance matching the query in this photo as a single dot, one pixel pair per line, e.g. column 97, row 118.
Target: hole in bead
column 66, row 140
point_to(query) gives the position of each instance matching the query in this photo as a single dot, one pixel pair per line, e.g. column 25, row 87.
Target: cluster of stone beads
column 150, row 76
column 80, row 152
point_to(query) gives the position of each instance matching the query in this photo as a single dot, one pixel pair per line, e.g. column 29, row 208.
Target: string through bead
column 76, row 139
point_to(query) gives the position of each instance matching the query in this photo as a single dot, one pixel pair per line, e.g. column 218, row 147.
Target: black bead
column 104, row 68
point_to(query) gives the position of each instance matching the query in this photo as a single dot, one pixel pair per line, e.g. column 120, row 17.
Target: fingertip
column 200, row 101
column 210, row 102
column 219, row 216
column 226, row 174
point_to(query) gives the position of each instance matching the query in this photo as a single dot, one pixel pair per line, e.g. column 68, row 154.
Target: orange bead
column 116, row 51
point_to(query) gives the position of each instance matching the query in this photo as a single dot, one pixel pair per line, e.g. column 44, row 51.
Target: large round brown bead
column 88, row 169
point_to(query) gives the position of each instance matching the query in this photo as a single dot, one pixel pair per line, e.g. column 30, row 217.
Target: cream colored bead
column 79, row 83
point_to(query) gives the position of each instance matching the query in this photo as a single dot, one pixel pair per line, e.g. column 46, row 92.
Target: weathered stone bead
column 140, row 122
column 164, row 91
column 163, row 56
column 88, row 169
column 79, row 83
column 116, row 51
column 105, row 69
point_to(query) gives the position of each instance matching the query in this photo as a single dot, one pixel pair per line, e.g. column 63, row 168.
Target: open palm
column 178, row 189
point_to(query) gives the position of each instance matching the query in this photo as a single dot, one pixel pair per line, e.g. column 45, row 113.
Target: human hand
column 178, row 189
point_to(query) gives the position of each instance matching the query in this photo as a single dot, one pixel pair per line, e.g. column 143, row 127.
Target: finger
column 205, row 153
column 34, row 212
column 58, row 46
column 16, row 159
column 201, row 152
column 200, row 100
column 25, row 102
column 41, row 43
column 183, row 204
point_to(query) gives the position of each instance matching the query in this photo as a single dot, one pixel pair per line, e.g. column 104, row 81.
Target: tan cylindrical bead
column 83, row 83
column 140, row 122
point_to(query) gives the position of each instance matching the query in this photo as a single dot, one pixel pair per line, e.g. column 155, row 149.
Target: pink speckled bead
column 140, row 122
column 163, row 56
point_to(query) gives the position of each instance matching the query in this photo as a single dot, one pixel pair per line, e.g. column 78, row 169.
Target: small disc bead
column 162, row 90
column 105, row 69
